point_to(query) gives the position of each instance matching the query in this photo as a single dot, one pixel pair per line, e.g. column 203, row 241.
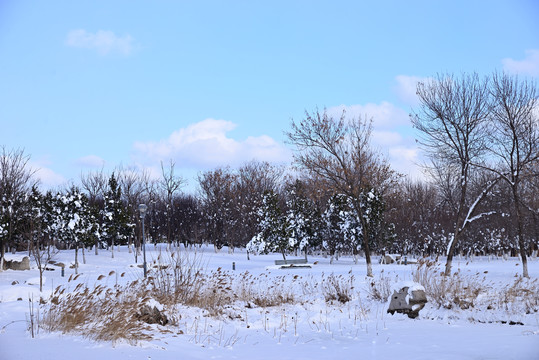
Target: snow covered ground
column 309, row 328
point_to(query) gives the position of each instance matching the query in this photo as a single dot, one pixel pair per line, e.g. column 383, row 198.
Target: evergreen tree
column 341, row 225
column 274, row 229
column 302, row 219
column 116, row 226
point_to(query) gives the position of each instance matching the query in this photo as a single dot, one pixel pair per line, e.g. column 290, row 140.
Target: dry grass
column 337, row 288
column 520, row 297
column 176, row 277
column 379, row 288
column 449, row 291
column 103, row 313
column 116, row 313
column 180, row 279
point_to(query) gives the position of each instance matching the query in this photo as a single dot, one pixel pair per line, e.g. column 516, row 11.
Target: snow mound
column 412, row 286
column 35, row 281
column 18, row 292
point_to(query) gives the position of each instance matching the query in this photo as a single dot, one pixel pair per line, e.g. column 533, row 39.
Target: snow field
column 308, row 322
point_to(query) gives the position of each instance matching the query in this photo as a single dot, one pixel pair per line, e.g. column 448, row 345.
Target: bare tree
column 515, row 141
column 452, row 120
column 95, row 184
column 338, row 152
column 170, row 184
column 133, row 187
column 217, row 198
column 16, row 180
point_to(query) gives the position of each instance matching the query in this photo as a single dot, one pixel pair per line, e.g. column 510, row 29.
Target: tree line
column 342, row 197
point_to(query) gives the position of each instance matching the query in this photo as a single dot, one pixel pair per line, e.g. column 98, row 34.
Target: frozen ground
column 309, row 329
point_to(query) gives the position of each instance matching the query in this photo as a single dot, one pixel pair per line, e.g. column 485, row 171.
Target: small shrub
column 277, row 293
column 379, row 288
column 337, row 288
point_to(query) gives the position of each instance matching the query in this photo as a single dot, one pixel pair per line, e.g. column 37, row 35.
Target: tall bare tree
column 452, row 120
column 133, row 187
column 338, row 152
column 217, row 198
column 515, row 141
column 170, row 184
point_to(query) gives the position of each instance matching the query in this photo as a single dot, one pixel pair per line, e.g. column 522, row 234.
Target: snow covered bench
column 290, row 262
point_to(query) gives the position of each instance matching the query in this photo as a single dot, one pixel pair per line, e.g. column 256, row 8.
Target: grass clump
column 102, row 314
column 337, row 288
column 379, row 288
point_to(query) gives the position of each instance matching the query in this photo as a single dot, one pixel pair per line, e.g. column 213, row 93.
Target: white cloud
column 90, row 161
column 47, row 177
column 386, row 138
column 405, row 160
column 528, row 66
column 406, row 88
column 384, row 115
column 206, row 145
column 391, row 132
column 104, row 42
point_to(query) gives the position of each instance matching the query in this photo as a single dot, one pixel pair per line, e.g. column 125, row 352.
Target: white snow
column 411, row 285
column 308, row 329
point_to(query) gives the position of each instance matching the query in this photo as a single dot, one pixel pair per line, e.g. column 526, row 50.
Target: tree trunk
column 367, row 251
column 520, row 234
column 41, row 279
column 2, row 253
column 450, row 253
column 76, row 258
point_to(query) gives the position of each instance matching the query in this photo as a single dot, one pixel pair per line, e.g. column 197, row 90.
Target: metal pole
column 144, row 247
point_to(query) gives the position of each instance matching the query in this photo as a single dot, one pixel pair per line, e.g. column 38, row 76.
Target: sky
column 91, row 85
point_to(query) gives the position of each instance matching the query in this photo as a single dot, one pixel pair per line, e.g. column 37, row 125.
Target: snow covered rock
column 24, row 264
column 151, row 315
column 388, row 259
column 408, row 298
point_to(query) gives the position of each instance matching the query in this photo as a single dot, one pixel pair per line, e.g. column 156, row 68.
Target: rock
column 24, row 264
column 152, row 316
column 409, row 300
column 387, row 259
column 14, row 282
column 36, row 280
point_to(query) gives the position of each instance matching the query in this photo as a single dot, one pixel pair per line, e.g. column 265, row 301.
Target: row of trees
column 342, row 197
column 480, row 131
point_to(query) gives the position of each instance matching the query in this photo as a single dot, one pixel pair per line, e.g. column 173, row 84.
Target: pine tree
column 302, row 219
column 116, row 226
column 274, row 229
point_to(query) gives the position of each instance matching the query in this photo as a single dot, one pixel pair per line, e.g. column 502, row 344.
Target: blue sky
column 92, row 84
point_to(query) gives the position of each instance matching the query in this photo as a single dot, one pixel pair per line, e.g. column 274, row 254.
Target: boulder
column 407, row 299
column 152, row 316
column 387, row 259
column 24, row 264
